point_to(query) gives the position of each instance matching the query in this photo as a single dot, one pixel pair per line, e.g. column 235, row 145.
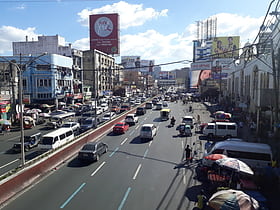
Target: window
column 41, row 67
column 62, row 136
column 210, row 127
column 231, row 127
column 69, row 133
column 221, row 126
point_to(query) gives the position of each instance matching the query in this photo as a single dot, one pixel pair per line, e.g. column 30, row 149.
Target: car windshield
column 47, row 140
column 119, row 124
column 89, row 147
column 66, row 125
column 145, row 128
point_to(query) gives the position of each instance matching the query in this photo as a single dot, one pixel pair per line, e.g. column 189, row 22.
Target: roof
column 243, row 146
column 165, row 110
column 147, row 125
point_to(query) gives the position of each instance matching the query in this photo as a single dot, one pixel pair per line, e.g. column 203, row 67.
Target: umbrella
column 210, row 159
column 235, row 165
column 79, row 104
column 231, row 200
column 5, row 122
column 45, row 106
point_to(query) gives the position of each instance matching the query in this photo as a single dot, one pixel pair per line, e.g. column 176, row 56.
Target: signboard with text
column 104, row 33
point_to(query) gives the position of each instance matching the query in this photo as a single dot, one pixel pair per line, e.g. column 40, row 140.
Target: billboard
column 104, row 33
column 225, row 47
column 130, row 62
column 197, row 76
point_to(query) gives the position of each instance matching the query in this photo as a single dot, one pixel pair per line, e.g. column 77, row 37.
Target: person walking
column 188, row 152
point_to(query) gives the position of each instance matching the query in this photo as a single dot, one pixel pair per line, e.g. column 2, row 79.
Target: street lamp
column 20, row 89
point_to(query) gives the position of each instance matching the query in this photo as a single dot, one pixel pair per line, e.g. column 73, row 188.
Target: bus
column 55, row 121
column 56, row 139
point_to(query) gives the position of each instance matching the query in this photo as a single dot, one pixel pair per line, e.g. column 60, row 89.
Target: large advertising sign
column 131, row 62
column 225, row 47
column 104, row 33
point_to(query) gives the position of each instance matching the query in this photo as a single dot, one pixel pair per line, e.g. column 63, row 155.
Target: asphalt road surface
column 131, row 175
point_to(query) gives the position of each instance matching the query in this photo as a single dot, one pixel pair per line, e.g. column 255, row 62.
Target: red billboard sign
column 104, row 33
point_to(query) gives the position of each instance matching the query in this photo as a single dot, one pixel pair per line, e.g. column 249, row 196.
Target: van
column 220, row 129
column 256, row 155
column 56, row 139
column 148, row 131
column 188, row 120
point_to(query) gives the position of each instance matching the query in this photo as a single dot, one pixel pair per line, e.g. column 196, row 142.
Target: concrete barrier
column 19, row 181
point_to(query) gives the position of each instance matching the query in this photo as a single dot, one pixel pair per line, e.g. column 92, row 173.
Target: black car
column 29, row 142
column 140, row 111
column 92, row 151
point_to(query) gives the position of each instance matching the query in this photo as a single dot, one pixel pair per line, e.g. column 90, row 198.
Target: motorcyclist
column 190, row 108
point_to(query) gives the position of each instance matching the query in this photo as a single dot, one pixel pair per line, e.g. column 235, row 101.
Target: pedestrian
column 188, row 152
column 207, row 145
column 201, row 200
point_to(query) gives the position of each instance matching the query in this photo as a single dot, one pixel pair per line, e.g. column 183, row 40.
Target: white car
column 74, row 125
column 148, row 131
column 104, row 107
column 131, row 119
column 108, row 116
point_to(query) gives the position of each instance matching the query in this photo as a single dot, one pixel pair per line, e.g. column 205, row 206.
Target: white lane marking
column 182, row 144
column 184, row 177
column 3, row 166
column 150, row 143
column 99, row 167
column 137, row 171
column 137, row 127
column 145, row 118
column 132, row 132
column 124, row 141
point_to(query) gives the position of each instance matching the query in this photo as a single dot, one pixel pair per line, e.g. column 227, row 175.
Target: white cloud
column 11, row 34
column 130, row 14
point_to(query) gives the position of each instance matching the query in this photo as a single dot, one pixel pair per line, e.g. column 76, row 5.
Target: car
column 124, row 108
column 104, row 107
column 115, row 109
column 88, row 123
column 164, row 104
column 141, row 110
column 149, row 105
column 74, row 125
column 29, row 142
column 120, row 127
column 148, row 131
column 92, row 151
column 108, row 116
column 131, row 119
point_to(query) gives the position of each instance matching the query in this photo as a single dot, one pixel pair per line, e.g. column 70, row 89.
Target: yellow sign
column 225, row 47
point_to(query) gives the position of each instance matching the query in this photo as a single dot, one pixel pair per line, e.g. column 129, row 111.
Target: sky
column 160, row 30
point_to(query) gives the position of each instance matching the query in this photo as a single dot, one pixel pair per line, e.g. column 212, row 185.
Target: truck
column 220, row 129
column 29, row 142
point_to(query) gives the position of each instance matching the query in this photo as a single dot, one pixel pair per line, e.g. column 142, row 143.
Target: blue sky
column 153, row 29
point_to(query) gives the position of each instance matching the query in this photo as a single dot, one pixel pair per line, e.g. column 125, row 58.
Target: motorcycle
column 172, row 122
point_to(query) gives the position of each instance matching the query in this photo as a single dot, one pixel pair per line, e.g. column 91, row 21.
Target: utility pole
column 275, row 83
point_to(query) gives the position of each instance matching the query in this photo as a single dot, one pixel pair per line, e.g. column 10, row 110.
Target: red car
column 120, row 128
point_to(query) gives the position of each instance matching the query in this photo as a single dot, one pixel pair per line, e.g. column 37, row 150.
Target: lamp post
column 20, row 89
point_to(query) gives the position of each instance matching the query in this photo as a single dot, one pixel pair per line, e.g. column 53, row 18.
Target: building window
column 41, row 67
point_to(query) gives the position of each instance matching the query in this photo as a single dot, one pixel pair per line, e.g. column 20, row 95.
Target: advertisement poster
column 104, row 33
column 225, row 47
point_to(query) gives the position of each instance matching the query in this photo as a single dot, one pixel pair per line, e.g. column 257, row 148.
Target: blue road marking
column 114, row 152
column 72, row 196
column 124, row 198
column 145, row 154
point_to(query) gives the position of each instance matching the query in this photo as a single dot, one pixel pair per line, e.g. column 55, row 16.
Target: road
column 132, row 175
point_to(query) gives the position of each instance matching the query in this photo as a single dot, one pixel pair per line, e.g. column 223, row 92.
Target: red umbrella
column 210, row 159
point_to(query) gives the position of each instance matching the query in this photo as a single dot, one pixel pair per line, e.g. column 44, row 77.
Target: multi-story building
column 100, row 72
column 55, row 45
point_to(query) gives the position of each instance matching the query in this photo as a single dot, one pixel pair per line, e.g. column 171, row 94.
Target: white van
column 188, row 120
column 148, row 131
column 56, row 138
column 220, row 129
column 256, row 155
